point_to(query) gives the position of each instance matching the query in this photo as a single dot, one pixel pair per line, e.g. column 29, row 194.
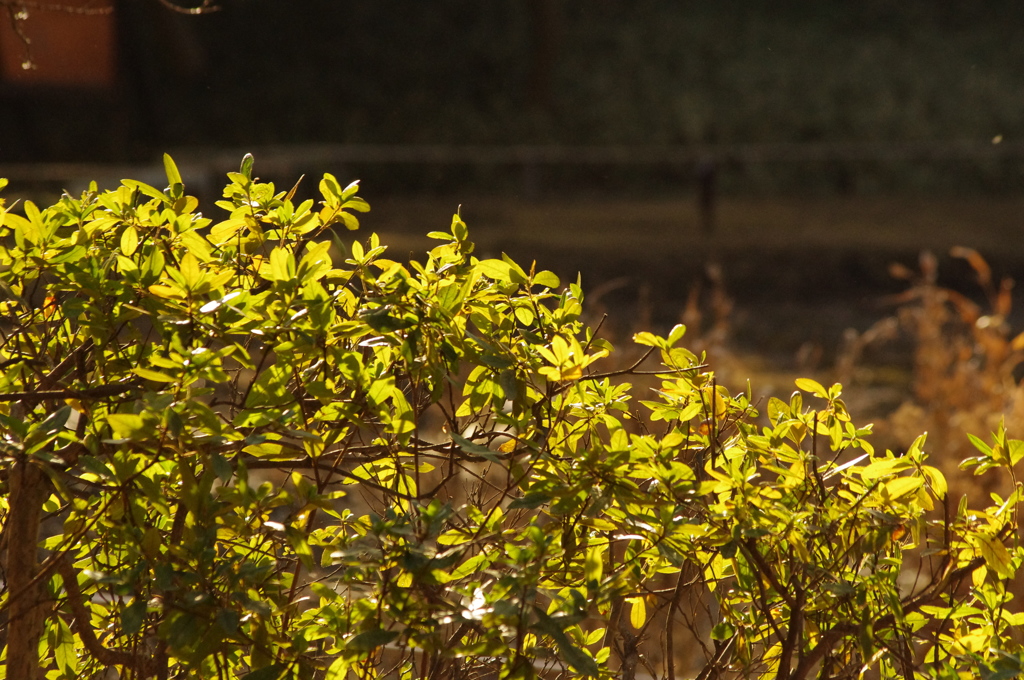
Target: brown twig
column 86, row 393
column 206, row 8
column 56, row 7
column 82, row 626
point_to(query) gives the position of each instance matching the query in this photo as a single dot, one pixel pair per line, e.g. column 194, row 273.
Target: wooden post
column 707, row 189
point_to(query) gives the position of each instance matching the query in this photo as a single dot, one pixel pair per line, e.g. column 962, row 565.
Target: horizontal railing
column 200, row 162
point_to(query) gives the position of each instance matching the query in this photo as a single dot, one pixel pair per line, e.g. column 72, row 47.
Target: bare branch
column 206, row 8
column 23, row 5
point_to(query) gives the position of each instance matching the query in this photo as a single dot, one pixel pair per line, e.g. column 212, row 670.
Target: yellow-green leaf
column 637, row 612
column 594, row 567
column 902, row 486
column 936, row 480
column 129, row 240
column 150, row 374
column 812, row 386
column 997, row 558
column 282, row 265
column 546, row 279
column 125, row 425
column 196, row 245
column 471, row 566
column 166, row 291
column 222, row 232
column 647, row 338
column 173, row 176
column 496, row 270
column 339, row 668
column 881, row 468
column 190, row 270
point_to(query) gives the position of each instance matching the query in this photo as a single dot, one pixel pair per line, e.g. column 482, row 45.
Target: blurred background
column 753, row 168
column 797, row 95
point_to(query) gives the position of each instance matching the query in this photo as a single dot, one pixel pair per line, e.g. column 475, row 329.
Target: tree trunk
column 26, row 612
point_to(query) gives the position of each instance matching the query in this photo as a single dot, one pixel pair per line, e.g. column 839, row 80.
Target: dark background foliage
column 653, row 72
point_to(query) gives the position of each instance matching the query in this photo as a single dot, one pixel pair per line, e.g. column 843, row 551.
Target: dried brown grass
column 965, row 362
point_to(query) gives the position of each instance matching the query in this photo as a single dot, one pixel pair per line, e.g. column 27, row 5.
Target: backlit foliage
column 251, row 448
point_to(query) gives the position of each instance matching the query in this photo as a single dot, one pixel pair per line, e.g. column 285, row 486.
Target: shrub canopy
column 253, row 448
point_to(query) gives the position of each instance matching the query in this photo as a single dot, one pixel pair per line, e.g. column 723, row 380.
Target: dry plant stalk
column 965, row 358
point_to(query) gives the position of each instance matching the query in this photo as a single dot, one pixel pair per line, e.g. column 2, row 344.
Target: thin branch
column 206, row 8
column 82, row 625
column 755, row 556
column 796, row 623
column 85, row 393
column 715, row 664
column 632, row 370
column 56, row 7
column 909, row 605
column 16, row 12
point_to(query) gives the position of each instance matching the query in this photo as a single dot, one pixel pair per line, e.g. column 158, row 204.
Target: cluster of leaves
column 242, row 460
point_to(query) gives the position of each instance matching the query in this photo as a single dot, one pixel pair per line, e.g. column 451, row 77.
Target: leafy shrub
column 240, row 459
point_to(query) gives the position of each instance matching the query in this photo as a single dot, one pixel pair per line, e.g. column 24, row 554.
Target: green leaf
column 812, row 386
column 265, row 449
column 155, row 263
column 316, row 263
column 144, row 188
column 126, row 425
column 648, row 338
column 271, row 672
column 722, row 631
column 459, row 230
column 246, row 168
column 883, row 468
column 474, row 448
column 371, row 639
column 471, row 566
column 155, row 376
column 777, row 410
column 637, row 612
column 132, row 617
column 936, row 480
column 129, row 240
column 338, row 669
column 515, row 272
column 196, row 246
column 222, row 232
column 64, row 649
column 1016, row 450
column 997, row 557
column 270, row 388
column 282, row 265
column 902, row 486
column 980, row 445
column 171, row 169
column 594, row 567
column 546, row 279
column 330, row 189
column 496, row 270
column 190, row 271
column 676, row 334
